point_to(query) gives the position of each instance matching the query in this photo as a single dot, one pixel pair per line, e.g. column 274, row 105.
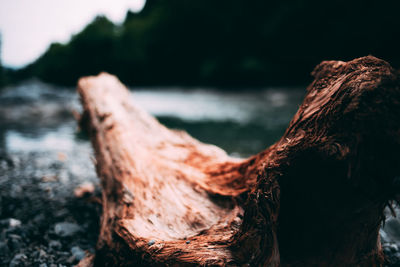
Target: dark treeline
column 2, row 74
column 2, row 78
column 224, row 42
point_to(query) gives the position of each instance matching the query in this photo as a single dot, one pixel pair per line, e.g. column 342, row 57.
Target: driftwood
column 315, row 197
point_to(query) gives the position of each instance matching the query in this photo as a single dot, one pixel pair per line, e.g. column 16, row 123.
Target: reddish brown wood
column 313, row 198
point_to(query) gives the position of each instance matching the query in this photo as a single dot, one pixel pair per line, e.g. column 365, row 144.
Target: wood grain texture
column 315, row 197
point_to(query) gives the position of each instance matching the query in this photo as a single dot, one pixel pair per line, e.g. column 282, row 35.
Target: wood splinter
column 314, row 198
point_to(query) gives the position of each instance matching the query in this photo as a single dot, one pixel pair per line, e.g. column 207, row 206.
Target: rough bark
column 315, row 197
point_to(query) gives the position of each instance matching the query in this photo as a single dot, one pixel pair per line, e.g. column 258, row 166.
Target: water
column 38, row 117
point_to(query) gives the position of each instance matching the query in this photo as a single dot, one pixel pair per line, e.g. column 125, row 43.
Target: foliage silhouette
column 224, row 43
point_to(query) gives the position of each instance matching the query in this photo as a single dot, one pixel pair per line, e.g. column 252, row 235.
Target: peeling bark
column 315, row 197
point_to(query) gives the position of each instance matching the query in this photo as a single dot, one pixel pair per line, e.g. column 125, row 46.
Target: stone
column 10, row 222
column 66, row 229
column 19, row 260
column 14, row 242
column 14, row 222
column 78, row 253
column 55, row 244
column 4, row 250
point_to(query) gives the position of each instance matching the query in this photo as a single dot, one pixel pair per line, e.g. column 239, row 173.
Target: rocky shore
column 42, row 223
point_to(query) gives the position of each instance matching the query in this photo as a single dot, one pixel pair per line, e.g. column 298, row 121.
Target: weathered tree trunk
column 315, row 197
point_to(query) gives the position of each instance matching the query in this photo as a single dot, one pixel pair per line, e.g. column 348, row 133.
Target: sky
column 28, row 27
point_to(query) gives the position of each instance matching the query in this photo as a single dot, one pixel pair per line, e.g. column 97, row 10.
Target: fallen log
column 315, row 197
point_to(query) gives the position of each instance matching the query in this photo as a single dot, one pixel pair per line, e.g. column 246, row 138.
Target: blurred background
column 221, row 43
column 231, row 73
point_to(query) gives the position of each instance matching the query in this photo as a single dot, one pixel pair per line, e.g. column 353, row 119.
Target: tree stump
column 315, row 197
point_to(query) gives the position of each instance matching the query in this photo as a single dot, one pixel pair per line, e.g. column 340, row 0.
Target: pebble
column 71, row 259
column 66, row 229
column 78, row 253
column 14, row 241
column 392, row 228
column 10, row 222
column 18, row 260
column 188, row 242
column 42, row 254
column 61, row 213
column 39, row 218
column 384, row 237
column 4, row 250
column 151, row 242
column 14, row 223
column 394, row 247
column 54, row 244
